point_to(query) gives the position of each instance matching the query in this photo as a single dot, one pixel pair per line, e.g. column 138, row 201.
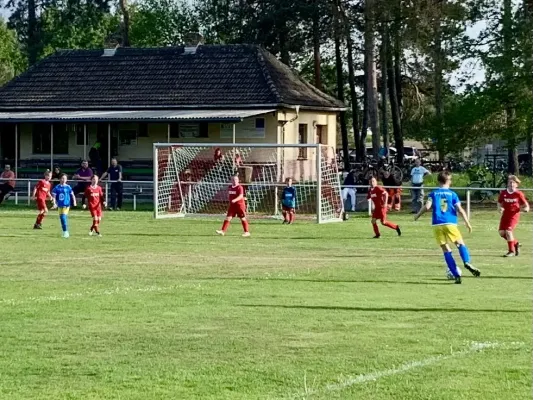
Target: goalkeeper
column 288, row 202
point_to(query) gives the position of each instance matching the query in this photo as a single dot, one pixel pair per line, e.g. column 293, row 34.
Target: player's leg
column 465, row 254
column 285, row 213
column 292, row 216
column 442, row 240
column 375, row 227
column 241, row 213
column 63, row 218
column 389, row 224
column 42, row 210
column 232, row 212
column 506, row 229
column 97, row 219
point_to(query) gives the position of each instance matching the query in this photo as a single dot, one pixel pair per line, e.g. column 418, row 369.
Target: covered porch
column 38, row 140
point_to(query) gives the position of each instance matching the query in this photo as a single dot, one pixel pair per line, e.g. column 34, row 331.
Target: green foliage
column 12, row 61
column 161, row 22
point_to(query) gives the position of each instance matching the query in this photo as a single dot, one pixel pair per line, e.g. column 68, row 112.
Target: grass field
column 167, row 310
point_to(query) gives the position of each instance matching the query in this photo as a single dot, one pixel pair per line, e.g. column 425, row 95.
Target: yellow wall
column 159, row 133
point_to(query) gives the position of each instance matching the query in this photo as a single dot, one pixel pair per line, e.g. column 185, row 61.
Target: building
column 126, row 99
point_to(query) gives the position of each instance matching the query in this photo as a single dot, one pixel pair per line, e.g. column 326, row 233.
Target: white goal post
column 192, row 179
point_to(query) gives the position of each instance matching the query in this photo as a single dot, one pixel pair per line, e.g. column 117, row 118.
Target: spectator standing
column 83, row 175
column 114, row 172
column 217, row 157
column 395, row 194
column 418, row 173
column 94, row 157
column 56, row 174
column 8, row 182
column 349, row 189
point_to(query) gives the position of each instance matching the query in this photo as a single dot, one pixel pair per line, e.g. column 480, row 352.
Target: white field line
column 96, row 292
column 347, row 382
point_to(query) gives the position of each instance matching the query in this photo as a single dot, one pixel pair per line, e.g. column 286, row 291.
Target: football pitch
column 168, row 310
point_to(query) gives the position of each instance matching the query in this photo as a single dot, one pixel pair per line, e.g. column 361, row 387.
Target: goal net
column 193, row 179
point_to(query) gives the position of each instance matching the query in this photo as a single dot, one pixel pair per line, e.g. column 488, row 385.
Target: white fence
column 142, row 191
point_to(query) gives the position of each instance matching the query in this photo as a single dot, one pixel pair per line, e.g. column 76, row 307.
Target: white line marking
column 346, row 382
column 96, row 292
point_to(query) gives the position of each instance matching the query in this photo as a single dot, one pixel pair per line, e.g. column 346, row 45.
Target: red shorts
column 287, row 209
column 41, row 205
column 509, row 222
column 96, row 212
column 380, row 213
column 236, row 210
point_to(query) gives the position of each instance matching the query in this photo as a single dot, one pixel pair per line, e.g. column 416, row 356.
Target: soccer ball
column 449, row 275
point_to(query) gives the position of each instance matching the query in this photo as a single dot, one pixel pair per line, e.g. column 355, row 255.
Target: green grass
column 167, row 310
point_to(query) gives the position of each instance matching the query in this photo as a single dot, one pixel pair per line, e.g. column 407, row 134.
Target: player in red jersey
column 41, row 193
column 510, row 202
column 380, row 197
column 95, row 195
column 237, row 207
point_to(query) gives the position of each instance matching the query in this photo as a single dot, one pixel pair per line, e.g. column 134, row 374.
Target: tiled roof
column 215, row 76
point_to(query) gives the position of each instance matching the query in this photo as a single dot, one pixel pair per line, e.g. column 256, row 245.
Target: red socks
column 376, row 229
column 245, row 225
column 511, row 245
column 225, row 226
column 390, row 225
column 39, row 219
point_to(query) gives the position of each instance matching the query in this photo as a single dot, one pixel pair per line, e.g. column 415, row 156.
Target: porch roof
column 131, row 116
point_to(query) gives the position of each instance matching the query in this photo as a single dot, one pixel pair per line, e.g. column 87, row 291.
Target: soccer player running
column 96, row 201
column 380, row 197
column 237, row 207
column 510, row 203
column 446, row 205
column 64, row 197
column 288, row 202
column 41, row 193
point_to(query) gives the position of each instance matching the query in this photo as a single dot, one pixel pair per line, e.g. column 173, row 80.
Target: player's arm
column 73, row 197
column 34, row 194
column 525, row 203
column 102, row 199
column 424, row 209
column 463, row 215
column 54, row 201
column 385, row 199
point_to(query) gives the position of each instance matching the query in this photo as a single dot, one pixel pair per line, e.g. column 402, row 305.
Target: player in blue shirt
column 63, row 199
column 288, row 202
column 446, row 206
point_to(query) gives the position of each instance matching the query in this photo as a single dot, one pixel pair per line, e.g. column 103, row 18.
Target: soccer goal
column 192, row 179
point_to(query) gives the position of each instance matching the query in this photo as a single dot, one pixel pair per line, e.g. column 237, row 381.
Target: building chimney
column 192, row 41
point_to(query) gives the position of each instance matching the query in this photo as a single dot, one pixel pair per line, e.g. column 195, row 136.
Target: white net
column 193, row 179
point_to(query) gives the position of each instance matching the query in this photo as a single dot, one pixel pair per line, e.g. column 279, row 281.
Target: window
column 260, row 123
column 189, row 130
column 41, row 135
column 127, row 137
column 302, row 139
column 321, row 134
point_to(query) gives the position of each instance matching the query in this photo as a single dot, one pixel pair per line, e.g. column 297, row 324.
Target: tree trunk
column 353, row 93
column 529, row 10
column 383, row 57
column 316, row 47
column 438, row 79
column 33, row 51
column 395, row 109
column 370, row 75
column 364, row 123
column 340, row 85
column 508, row 43
column 126, row 28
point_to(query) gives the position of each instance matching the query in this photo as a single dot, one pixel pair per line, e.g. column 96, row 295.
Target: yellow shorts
column 63, row 210
column 447, row 234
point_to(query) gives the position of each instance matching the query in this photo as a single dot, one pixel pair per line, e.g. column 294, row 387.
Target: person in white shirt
column 417, row 180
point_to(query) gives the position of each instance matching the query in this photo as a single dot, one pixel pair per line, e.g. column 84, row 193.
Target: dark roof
column 227, row 76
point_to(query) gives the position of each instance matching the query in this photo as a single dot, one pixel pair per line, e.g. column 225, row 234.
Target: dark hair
column 63, row 175
column 444, row 177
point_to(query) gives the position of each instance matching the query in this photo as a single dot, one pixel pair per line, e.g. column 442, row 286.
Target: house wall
column 141, row 149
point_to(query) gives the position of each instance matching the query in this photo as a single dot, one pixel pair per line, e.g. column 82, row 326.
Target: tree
column 11, row 60
column 161, row 23
column 370, row 74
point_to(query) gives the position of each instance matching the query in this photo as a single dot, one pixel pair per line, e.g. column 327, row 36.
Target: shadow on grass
column 387, row 309
column 244, row 278
column 483, row 277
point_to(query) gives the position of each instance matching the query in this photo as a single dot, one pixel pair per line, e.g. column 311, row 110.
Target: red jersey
column 43, row 189
column 234, row 192
column 95, row 197
column 377, row 195
column 511, row 202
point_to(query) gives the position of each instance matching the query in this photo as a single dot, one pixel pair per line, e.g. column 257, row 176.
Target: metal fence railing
column 136, row 192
